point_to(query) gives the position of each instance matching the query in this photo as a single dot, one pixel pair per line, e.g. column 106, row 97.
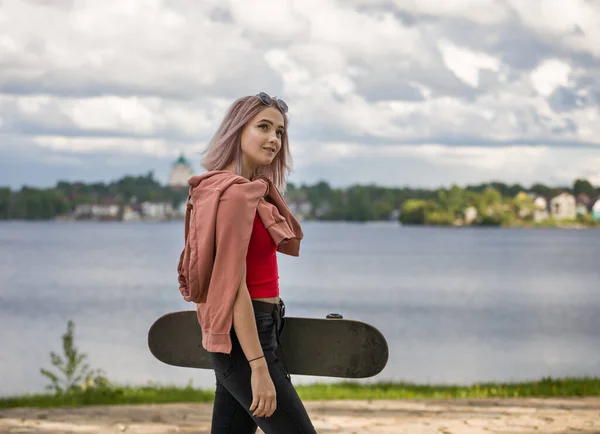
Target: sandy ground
column 581, row 415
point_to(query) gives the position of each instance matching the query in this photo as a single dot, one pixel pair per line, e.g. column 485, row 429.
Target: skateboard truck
column 334, row 316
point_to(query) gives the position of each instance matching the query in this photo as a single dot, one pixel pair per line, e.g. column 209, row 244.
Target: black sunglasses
column 267, row 100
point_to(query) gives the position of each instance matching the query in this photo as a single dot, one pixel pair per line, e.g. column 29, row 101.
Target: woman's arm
column 244, row 324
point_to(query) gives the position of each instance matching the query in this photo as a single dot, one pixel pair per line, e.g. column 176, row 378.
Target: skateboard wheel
column 334, row 316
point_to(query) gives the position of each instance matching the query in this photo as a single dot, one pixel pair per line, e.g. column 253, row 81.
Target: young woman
column 229, row 267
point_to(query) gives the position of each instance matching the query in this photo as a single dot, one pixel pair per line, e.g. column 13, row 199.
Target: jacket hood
column 217, row 179
column 212, row 179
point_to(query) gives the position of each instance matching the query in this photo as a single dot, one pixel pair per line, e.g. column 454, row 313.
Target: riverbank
column 156, row 394
column 549, row 405
column 415, row 416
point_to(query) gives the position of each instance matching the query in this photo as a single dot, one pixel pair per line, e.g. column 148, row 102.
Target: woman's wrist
column 255, row 358
column 258, row 363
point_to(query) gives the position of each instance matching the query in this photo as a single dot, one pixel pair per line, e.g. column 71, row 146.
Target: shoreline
column 541, row 225
column 114, row 394
column 419, row 416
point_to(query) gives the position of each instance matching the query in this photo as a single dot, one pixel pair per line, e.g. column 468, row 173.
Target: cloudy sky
column 405, row 92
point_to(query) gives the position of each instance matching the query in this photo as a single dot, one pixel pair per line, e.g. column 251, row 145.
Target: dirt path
column 488, row 416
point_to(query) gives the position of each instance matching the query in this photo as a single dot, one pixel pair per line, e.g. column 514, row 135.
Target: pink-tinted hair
column 225, row 145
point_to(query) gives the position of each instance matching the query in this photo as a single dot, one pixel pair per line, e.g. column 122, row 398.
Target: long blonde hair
column 225, row 145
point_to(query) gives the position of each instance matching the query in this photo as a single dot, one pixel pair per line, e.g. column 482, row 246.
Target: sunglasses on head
column 267, row 100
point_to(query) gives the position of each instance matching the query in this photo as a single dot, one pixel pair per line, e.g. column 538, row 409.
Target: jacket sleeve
column 234, row 220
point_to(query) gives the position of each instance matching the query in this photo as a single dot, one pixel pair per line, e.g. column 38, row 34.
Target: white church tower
column 180, row 173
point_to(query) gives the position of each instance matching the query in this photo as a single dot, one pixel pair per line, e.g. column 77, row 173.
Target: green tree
column 359, row 204
column 290, row 189
column 382, row 210
column 34, row 204
column 414, row 211
column 542, row 190
column 439, row 217
column 452, row 200
column 583, row 186
column 523, row 206
column 319, row 195
column 5, row 199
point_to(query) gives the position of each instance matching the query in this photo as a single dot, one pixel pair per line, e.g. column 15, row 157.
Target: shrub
column 73, row 373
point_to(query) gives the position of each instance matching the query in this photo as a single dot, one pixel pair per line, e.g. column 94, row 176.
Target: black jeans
column 233, row 395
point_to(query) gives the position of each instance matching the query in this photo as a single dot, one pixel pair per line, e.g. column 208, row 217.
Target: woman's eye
column 280, row 133
column 264, row 127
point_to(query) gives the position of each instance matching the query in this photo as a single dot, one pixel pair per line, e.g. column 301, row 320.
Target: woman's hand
column 264, row 397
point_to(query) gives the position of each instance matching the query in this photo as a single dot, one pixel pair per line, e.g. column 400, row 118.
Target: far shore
column 529, row 225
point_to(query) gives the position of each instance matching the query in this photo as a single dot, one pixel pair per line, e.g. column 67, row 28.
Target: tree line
column 495, row 202
column 354, row 203
column 44, row 204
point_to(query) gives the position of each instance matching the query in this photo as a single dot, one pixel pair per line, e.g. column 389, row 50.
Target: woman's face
column 262, row 138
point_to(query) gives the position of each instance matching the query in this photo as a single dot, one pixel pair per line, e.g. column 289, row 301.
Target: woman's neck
column 246, row 172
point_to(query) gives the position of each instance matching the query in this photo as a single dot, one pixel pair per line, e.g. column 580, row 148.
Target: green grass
column 544, row 388
column 154, row 394
column 112, row 396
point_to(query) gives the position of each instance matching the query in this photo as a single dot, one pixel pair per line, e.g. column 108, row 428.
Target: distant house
column 83, row 211
column 470, row 215
column 540, row 212
column 181, row 210
column 582, row 204
column 105, row 211
column 562, row 207
column 157, row 210
column 301, row 209
column 584, row 199
column 97, row 211
column 322, row 210
column 130, row 213
column 394, row 215
column 596, row 211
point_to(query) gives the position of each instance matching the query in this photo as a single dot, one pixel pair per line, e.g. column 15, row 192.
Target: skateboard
column 330, row 347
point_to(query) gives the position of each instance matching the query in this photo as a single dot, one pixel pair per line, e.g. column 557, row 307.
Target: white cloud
column 113, row 114
column 63, row 160
column 285, row 22
column 434, row 165
column 479, row 11
column 511, row 158
column 110, row 113
column 586, row 168
column 574, row 23
column 465, row 63
column 362, row 78
column 549, row 75
column 83, row 145
column 32, row 105
column 466, row 157
column 373, row 37
column 484, row 12
column 122, row 47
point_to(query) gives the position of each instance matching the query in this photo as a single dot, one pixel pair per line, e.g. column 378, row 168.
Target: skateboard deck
column 330, row 347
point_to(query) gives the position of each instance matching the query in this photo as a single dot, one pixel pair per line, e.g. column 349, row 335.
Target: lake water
column 456, row 305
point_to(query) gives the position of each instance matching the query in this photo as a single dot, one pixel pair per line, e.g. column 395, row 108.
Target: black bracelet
column 256, row 359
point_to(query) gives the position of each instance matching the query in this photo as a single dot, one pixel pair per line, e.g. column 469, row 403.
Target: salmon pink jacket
column 221, row 208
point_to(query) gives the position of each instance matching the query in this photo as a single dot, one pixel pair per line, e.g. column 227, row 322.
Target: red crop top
column 262, row 277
